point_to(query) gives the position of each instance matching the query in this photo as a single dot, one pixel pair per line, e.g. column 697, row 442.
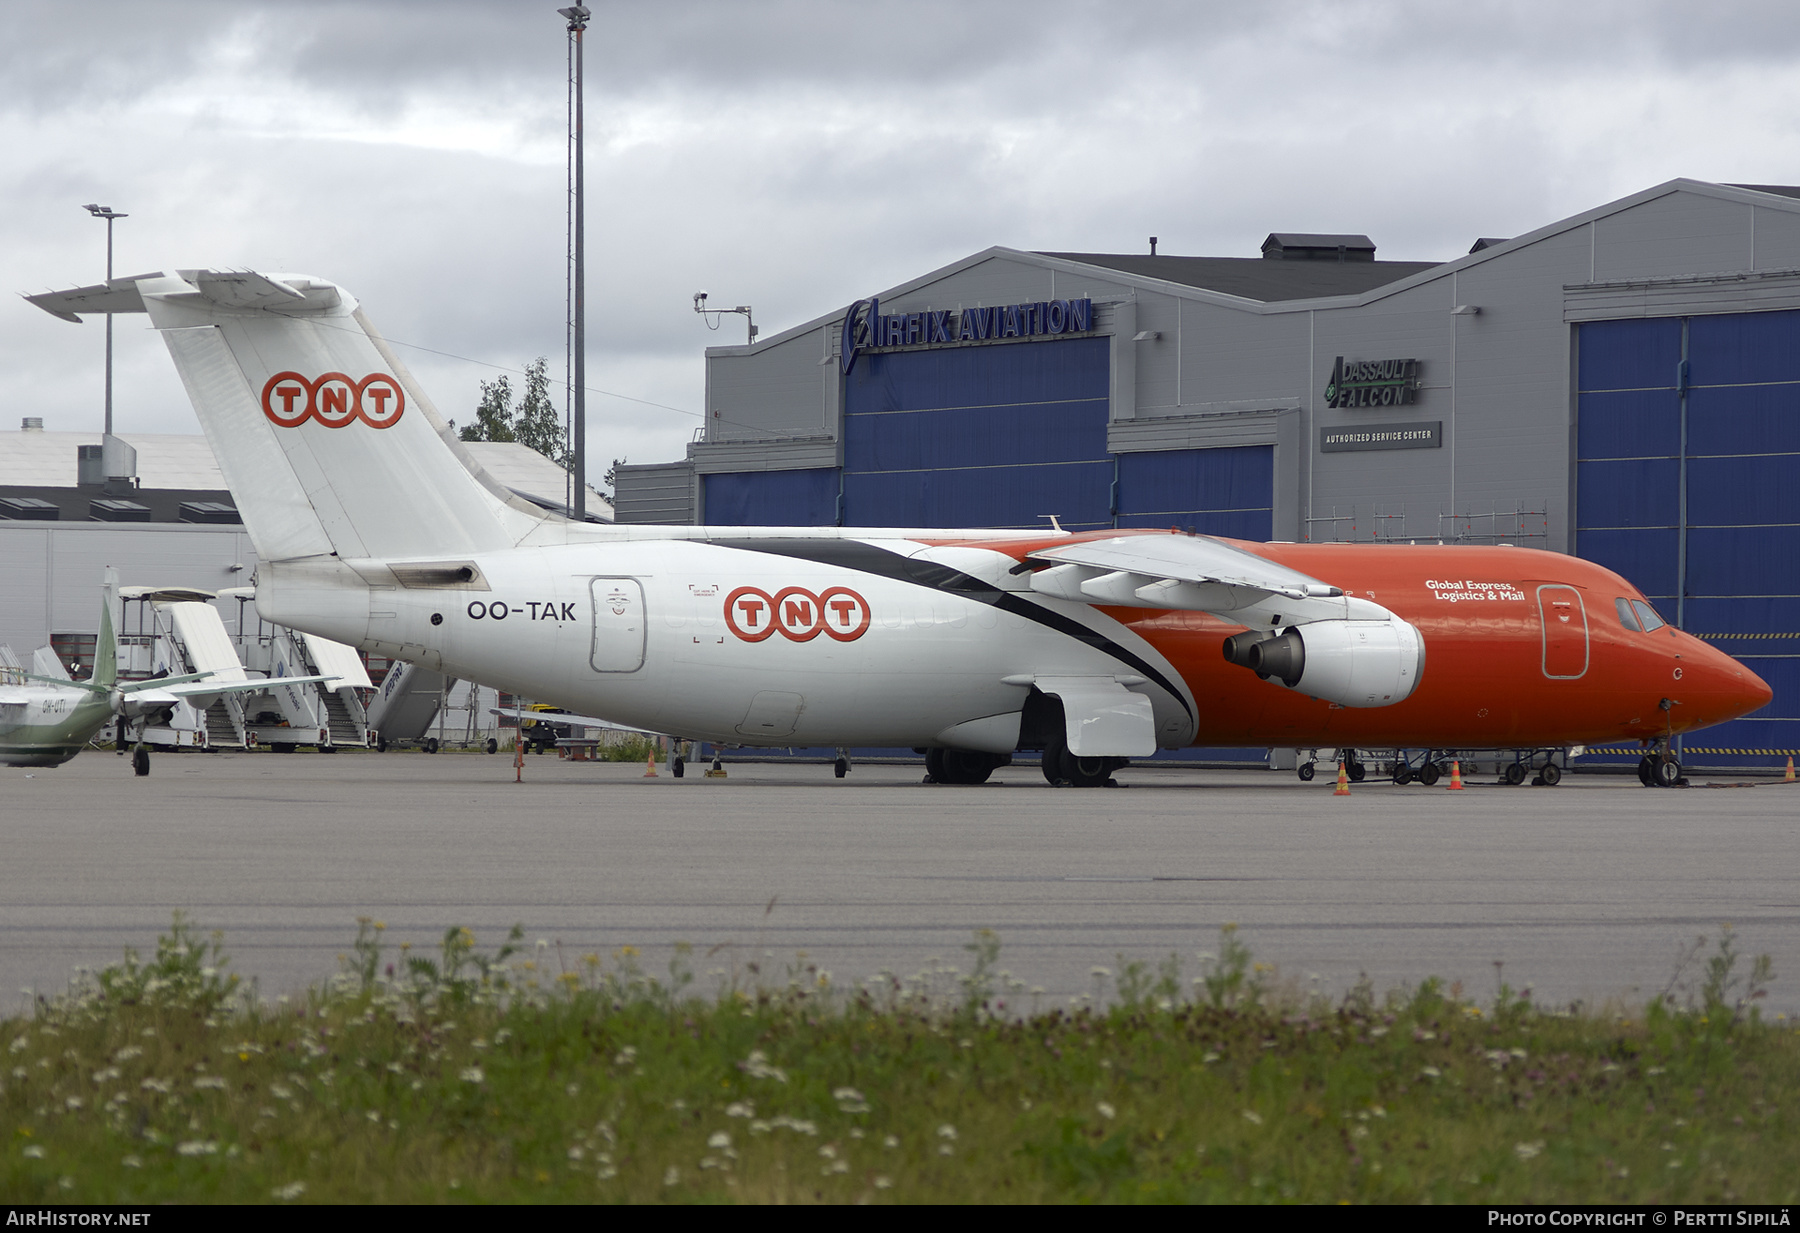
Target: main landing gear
column 1063, row 768
column 956, row 766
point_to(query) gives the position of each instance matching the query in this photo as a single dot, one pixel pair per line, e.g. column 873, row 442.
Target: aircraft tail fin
column 326, row 442
column 106, row 652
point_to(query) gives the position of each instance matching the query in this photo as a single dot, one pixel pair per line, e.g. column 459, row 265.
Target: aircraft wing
column 1194, row 572
column 155, row 694
column 565, row 719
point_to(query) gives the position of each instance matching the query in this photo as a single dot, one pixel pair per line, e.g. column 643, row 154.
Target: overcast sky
column 795, row 155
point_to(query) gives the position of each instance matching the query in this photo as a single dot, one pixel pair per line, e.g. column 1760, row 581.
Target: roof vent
column 110, row 510
column 1300, row 246
column 32, row 423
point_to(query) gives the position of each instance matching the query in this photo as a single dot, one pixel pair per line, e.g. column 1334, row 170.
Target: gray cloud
column 798, row 155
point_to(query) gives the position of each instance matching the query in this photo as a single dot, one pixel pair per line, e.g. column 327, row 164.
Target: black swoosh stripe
column 885, row 563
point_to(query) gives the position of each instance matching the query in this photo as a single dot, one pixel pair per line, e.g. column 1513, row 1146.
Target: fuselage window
column 1647, row 616
column 1627, row 617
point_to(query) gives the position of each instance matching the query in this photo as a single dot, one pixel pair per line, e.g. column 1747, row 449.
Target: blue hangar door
column 1687, row 457
column 984, row 436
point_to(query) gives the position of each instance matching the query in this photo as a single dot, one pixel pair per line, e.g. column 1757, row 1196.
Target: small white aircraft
column 375, row 528
column 51, row 720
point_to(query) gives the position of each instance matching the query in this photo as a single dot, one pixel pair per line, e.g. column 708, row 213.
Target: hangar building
column 1623, row 385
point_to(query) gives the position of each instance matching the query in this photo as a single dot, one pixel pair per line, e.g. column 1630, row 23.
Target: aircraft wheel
column 493, row 745
column 1667, row 773
column 1402, row 774
column 140, row 762
column 539, row 750
column 934, row 766
column 1430, row 773
column 967, row 766
column 1646, row 771
column 677, row 766
column 1087, row 772
column 1514, row 775
column 1551, row 774
column 839, row 769
column 1051, row 764
column 431, row 744
column 1305, row 772
column 1357, row 771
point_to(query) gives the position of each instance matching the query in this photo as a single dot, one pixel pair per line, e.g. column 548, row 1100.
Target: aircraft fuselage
column 792, row 641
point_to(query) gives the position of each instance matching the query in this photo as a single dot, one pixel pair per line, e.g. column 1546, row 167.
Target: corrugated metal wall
column 979, row 437
column 1687, row 453
column 1226, row 492
column 772, row 498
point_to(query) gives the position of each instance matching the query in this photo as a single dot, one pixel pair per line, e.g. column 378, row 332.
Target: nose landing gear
column 1661, row 770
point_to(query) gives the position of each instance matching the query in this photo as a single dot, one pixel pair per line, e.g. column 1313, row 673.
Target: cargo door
column 618, row 644
column 1565, row 632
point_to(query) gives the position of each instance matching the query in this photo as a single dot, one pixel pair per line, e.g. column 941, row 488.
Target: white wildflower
column 197, row 1147
column 472, row 1074
column 1253, row 1117
column 757, row 1067
column 1106, row 1111
column 293, row 1190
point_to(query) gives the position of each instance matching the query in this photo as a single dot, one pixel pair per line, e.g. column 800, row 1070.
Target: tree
column 534, row 423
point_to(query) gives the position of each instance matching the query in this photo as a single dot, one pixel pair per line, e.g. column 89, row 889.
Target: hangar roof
column 40, row 459
column 1256, row 278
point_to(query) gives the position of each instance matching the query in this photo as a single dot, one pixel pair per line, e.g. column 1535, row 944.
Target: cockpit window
column 1647, row 616
column 1627, row 617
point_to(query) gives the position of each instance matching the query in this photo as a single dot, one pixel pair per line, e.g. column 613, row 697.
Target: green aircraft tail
column 106, row 651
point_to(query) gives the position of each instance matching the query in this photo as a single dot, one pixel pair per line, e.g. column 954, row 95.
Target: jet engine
column 1360, row 663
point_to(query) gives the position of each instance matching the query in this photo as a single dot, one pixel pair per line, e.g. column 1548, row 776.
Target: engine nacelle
column 1360, row 663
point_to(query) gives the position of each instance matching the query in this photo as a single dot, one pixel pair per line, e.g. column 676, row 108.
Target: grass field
column 523, row 1074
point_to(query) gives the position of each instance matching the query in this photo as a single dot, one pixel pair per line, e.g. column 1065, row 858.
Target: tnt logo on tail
column 289, row 400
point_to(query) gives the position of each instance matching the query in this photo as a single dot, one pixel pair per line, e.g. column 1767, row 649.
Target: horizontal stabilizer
column 121, row 295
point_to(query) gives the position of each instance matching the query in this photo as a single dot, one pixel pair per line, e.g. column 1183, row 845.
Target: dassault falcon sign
column 1373, row 383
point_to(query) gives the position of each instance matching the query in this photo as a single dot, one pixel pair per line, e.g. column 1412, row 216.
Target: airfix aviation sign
column 333, row 399
column 867, row 328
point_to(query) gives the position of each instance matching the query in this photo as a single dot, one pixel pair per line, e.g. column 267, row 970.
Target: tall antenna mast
column 577, row 16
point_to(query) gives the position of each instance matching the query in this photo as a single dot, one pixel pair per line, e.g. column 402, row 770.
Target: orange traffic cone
column 1789, row 777
column 1343, row 787
column 650, row 767
column 1455, row 777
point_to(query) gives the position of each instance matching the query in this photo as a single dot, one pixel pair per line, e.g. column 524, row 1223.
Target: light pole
column 109, row 214
column 577, row 16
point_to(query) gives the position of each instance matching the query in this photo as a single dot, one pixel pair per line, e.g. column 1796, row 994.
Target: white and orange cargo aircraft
column 375, row 528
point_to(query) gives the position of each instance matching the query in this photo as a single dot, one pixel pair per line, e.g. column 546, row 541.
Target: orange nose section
column 1718, row 687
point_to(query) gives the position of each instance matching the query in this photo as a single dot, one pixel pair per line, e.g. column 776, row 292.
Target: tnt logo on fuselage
column 796, row 614
column 333, row 399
